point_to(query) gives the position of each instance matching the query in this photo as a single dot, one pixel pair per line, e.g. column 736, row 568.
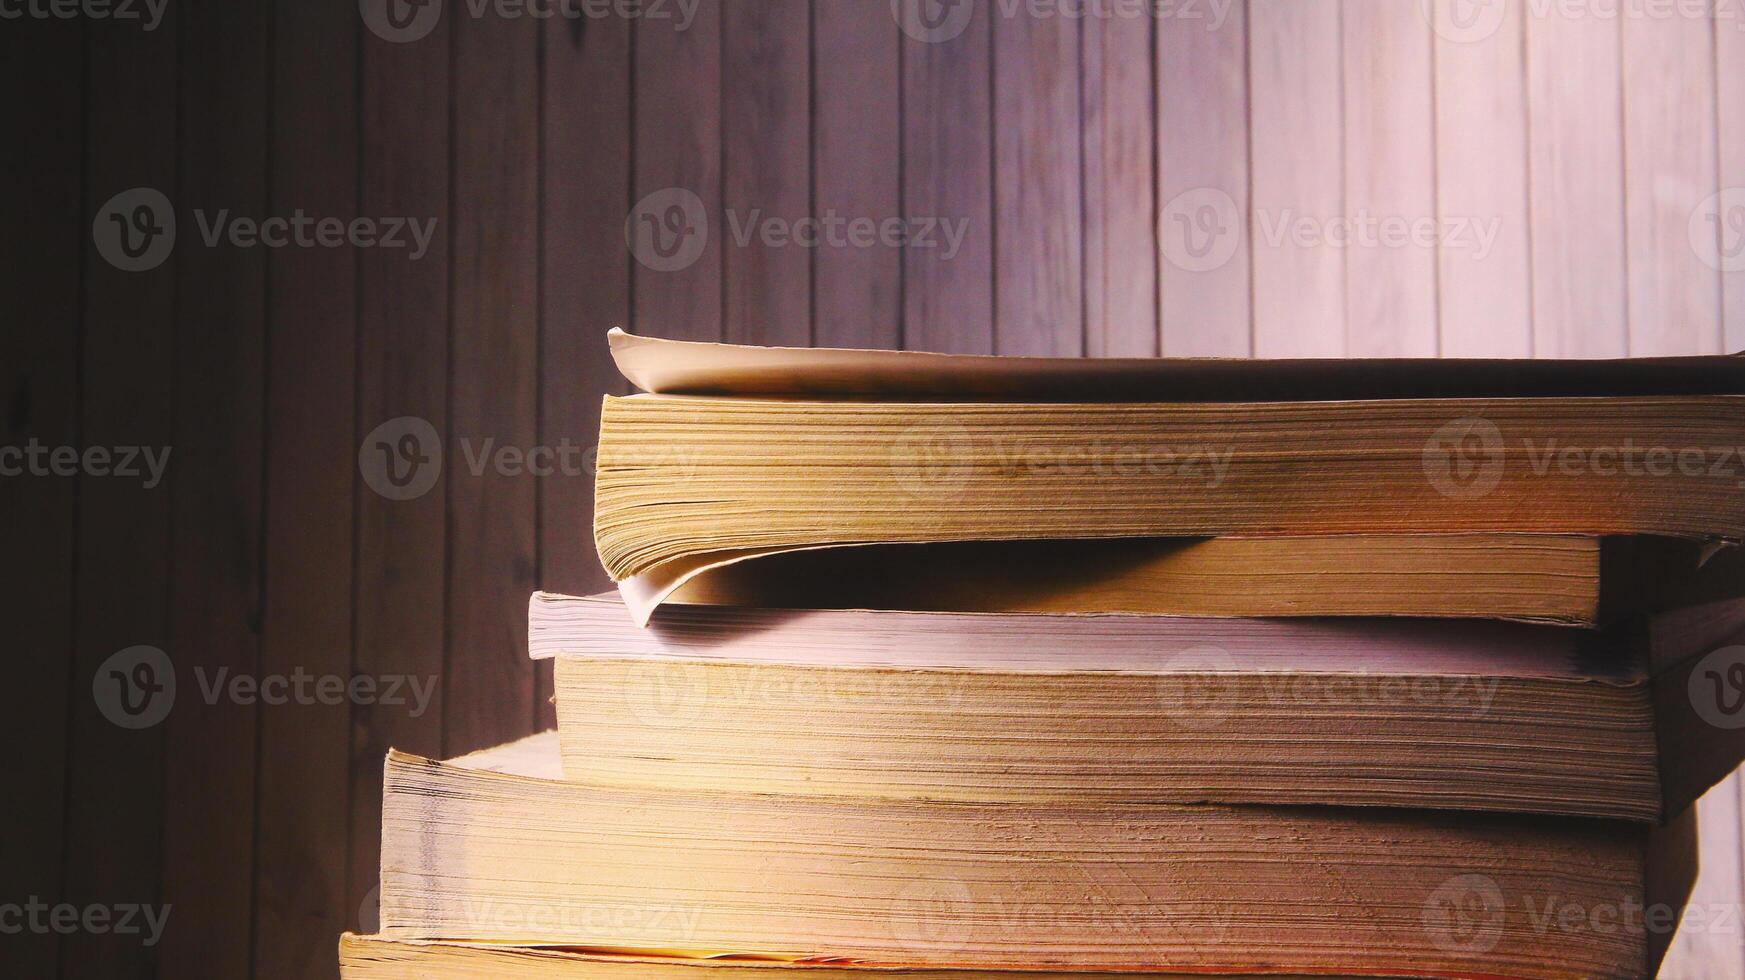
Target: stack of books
column 1007, row 667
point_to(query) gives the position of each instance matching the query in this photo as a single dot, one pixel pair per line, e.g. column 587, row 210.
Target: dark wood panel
column 40, row 166
column 677, row 216
column 114, row 778
column 493, row 401
column 584, row 282
column 300, row 866
column 948, row 303
column 402, row 389
column 857, row 166
column 1039, row 259
column 767, row 180
column 210, row 777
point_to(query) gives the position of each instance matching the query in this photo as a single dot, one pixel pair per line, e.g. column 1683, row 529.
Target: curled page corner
column 644, row 593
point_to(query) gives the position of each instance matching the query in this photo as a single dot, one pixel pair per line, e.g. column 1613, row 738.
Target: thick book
column 734, row 454
column 491, row 848
column 381, row 958
column 1141, row 709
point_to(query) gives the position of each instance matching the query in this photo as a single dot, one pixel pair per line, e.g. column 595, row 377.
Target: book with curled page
column 1443, row 475
column 1629, row 724
column 486, row 851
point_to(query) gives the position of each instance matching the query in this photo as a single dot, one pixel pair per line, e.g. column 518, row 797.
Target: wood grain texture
column 1730, row 209
column 766, row 135
column 210, row 777
column 1296, row 133
column 948, row 303
column 1205, row 302
column 39, row 392
column 584, row 288
column 678, row 150
column 403, row 344
column 856, row 172
column 121, row 565
column 1390, row 180
column 306, row 626
column 1576, row 162
column 1481, row 177
column 1670, row 169
column 494, row 398
column 1120, row 180
column 1038, row 245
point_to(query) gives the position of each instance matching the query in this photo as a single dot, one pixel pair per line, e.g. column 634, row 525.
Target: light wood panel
column 1120, row 181
column 1296, row 129
column 1481, row 176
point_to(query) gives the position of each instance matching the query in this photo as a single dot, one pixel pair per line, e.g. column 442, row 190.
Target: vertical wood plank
column 1039, row 228
column 494, row 401
column 1729, row 207
column 677, row 214
column 1205, row 296
column 1710, row 949
column 1120, row 157
column 41, row 166
column 300, row 866
column 1481, row 168
column 584, row 288
column 766, row 134
column 114, row 776
column 403, row 330
column 1670, row 169
column 1576, row 146
column 857, row 163
column 1390, row 181
column 1299, row 274
column 948, row 303
column 209, row 793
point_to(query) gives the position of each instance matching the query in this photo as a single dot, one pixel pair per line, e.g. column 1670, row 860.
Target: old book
column 739, row 453
column 1136, row 709
column 380, row 958
column 486, row 849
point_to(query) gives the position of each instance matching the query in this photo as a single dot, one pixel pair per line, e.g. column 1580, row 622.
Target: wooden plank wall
column 1091, row 183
